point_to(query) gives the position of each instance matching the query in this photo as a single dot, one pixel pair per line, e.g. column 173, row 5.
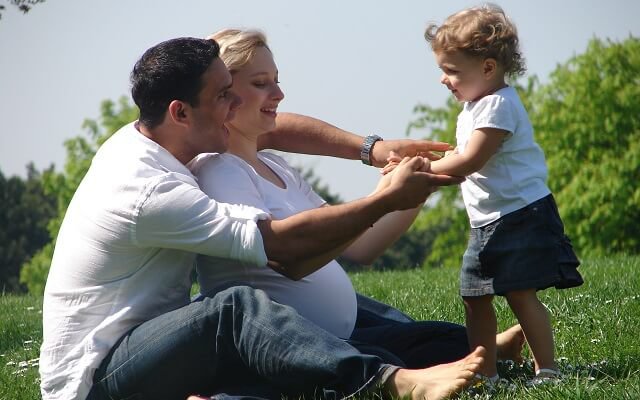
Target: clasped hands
column 407, row 169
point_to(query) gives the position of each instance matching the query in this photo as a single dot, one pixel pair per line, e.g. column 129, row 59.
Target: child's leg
column 482, row 329
column 535, row 322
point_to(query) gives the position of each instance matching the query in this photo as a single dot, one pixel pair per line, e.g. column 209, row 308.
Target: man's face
column 216, row 106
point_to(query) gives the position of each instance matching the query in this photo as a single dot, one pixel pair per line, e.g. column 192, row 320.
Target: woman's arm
column 483, row 144
column 377, row 239
column 301, row 244
column 296, row 133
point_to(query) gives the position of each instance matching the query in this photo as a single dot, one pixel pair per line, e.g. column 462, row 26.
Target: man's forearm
column 296, row 133
column 299, row 245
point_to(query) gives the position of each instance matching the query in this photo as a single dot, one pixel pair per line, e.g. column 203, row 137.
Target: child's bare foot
column 509, row 344
column 438, row 382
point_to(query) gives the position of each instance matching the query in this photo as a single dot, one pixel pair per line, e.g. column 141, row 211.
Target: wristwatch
column 367, row 146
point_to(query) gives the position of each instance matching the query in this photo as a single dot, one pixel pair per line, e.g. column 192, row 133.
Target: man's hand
column 412, row 182
column 384, row 149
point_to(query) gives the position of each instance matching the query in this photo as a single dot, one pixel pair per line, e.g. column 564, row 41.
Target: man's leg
column 434, row 383
column 237, row 337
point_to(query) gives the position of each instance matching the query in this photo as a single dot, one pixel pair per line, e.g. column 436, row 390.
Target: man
column 117, row 320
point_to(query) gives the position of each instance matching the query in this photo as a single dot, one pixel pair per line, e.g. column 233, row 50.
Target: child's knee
column 477, row 301
column 519, row 296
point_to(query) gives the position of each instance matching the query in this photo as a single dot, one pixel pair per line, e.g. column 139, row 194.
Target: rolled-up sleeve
column 175, row 213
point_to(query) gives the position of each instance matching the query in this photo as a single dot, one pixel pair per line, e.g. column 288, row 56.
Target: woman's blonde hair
column 483, row 32
column 238, row 46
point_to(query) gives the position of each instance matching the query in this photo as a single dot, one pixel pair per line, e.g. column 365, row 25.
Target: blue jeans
column 237, row 344
column 400, row 340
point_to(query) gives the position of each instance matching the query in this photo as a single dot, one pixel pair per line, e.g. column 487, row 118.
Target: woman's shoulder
column 274, row 158
column 216, row 168
column 207, row 162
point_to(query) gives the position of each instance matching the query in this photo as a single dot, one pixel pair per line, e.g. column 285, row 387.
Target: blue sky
column 358, row 64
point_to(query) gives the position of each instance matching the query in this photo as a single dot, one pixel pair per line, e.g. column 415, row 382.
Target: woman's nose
column 277, row 94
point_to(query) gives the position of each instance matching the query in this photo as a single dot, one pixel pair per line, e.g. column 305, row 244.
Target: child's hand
column 449, row 152
column 392, row 162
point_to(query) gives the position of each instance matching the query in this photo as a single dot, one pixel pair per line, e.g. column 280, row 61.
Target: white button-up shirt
column 125, row 252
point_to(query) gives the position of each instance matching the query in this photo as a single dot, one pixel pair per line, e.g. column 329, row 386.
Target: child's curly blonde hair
column 485, row 32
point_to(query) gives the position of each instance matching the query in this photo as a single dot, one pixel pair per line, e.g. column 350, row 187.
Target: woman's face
column 256, row 83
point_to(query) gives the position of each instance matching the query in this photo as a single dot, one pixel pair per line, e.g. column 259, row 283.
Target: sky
column 360, row 65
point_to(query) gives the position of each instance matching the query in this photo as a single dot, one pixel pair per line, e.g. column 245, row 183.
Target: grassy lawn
column 596, row 326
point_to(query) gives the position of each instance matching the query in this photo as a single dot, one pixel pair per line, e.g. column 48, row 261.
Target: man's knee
column 243, row 299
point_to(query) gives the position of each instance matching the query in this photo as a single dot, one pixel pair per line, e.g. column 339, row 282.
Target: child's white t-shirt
column 515, row 175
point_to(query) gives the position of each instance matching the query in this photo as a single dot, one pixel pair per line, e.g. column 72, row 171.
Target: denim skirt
column 525, row 249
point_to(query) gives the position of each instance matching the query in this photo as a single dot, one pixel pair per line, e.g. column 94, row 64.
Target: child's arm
column 483, row 144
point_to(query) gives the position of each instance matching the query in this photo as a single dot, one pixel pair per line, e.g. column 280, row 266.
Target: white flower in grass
column 10, row 363
column 595, row 341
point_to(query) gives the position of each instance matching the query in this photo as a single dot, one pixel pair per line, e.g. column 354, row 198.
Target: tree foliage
column 587, row 120
column 22, row 5
column 24, row 212
column 62, row 185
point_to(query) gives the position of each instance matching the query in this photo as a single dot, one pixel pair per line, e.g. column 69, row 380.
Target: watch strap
column 367, row 146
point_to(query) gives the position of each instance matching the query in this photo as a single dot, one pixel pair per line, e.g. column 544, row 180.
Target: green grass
column 20, row 339
column 597, row 326
column 597, row 329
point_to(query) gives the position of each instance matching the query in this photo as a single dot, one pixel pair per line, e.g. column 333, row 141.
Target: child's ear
column 489, row 68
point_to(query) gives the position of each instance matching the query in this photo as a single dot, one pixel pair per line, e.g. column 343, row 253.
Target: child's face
column 466, row 77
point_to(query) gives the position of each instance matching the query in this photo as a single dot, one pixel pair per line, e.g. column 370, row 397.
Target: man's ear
column 179, row 112
column 489, row 68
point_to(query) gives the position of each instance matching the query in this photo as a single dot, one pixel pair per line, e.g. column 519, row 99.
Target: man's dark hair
column 171, row 70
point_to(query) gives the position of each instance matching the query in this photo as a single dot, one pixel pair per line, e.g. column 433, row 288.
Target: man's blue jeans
column 237, row 342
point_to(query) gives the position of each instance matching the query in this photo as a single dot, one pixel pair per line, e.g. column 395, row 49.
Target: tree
column 62, row 185
column 586, row 120
column 22, row 5
column 24, row 212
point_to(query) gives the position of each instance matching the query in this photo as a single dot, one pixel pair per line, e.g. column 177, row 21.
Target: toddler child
column 517, row 244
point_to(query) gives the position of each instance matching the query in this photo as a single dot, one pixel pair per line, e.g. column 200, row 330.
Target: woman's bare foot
column 438, row 382
column 509, row 344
